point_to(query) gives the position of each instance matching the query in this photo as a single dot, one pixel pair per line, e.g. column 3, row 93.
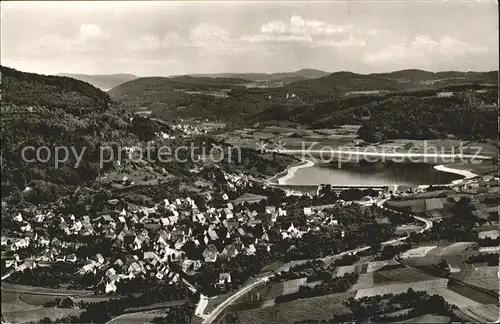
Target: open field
column 379, row 265
column 397, row 288
column 472, row 293
column 266, row 294
column 400, row 275
column 417, row 252
column 36, row 299
column 454, row 254
column 491, row 234
column 479, row 314
column 316, row 308
column 6, row 286
column 292, row 138
column 452, row 249
column 454, row 298
column 428, row 318
column 155, row 306
column 489, row 249
column 12, row 303
column 483, row 277
column 456, row 248
column 292, row 286
column 363, row 268
column 343, row 270
column 390, row 276
column 135, row 318
column 37, row 314
column 365, row 280
column 40, row 299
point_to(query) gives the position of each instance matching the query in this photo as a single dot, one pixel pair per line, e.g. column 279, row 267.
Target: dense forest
column 52, row 111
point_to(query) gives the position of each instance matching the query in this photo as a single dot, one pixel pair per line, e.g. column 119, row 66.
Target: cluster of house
column 188, row 129
column 152, row 238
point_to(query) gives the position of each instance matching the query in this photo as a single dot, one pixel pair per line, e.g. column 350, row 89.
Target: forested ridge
column 51, row 111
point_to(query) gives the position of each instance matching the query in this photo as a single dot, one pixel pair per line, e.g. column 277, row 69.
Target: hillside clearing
column 481, row 314
column 454, row 298
column 37, row 314
column 316, row 308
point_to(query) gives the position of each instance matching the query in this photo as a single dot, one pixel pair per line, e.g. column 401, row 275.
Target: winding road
column 209, row 318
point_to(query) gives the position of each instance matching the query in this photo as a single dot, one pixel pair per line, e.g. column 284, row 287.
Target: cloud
column 201, row 36
column 89, row 38
column 91, row 32
column 259, row 38
column 205, row 35
column 150, row 42
column 306, row 32
column 299, row 26
column 423, row 48
column 342, row 44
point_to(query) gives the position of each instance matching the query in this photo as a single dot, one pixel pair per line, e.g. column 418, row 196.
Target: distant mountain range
column 302, row 74
column 233, row 97
column 102, row 81
column 394, row 81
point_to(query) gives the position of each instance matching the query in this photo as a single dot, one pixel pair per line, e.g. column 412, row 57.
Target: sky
column 149, row 38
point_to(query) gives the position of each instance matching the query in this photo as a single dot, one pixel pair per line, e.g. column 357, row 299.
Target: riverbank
column 283, row 176
column 465, row 173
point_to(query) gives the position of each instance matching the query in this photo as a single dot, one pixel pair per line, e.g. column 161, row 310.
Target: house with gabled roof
column 99, row 259
column 270, row 209
column 177, row 235
column 241, row 231
column 174, row 218
column 71, row 258
column 136, row 268
column 152, row 258
column 212, row 234
column 210, row 253
column 224, row 278
column 165, row 221
column 60, row 258
column 39, row 218
column 173, row 254
column 201, row 218
column 18, row 218
column 250, row 250
column 110, row 287
column 178, row 245
column 106, row 219
column 230, row 251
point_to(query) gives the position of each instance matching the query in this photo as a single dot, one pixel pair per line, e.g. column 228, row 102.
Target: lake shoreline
column 464, row 173
column 281, row 177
